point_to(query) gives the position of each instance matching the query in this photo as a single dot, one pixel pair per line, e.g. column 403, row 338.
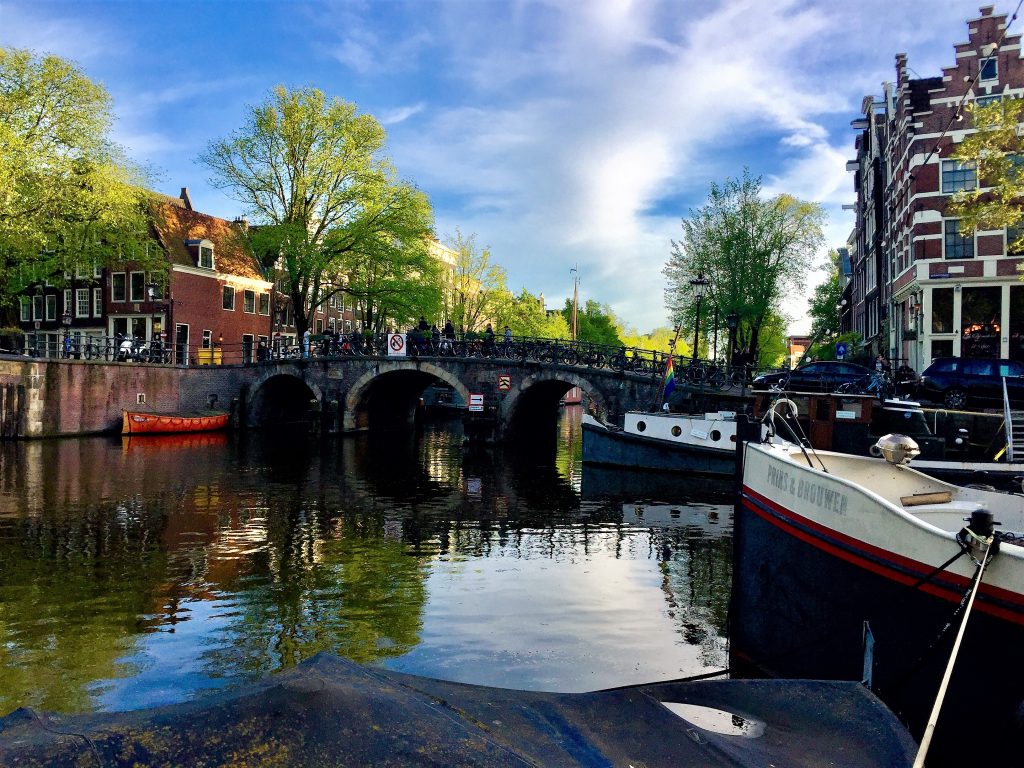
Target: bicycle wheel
column 716, row 379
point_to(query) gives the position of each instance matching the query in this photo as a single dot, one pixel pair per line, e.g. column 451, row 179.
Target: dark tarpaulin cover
column 332, row 712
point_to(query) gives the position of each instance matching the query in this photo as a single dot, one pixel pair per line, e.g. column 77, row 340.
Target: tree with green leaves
column 595, row 323
column 751, row 250
column 823, row 306
column 996, row 151
column 328, row 210
column 475, row 285
column 68, row 199
column 526, row 316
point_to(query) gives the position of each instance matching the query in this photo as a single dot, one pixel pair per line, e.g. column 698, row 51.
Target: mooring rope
column 929, row 730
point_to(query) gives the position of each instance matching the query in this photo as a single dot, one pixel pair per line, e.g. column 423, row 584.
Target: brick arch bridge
column 41, row 398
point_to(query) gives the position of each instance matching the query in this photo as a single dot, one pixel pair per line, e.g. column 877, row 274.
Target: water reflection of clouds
column 549, row 624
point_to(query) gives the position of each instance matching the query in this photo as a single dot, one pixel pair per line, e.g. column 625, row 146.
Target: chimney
column 242, row 223
column 186, row 199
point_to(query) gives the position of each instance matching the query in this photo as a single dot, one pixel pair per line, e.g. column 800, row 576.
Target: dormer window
column 202, row 252
column 989, row 69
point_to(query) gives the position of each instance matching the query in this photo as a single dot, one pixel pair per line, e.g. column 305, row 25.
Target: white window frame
column 973, row 240
column 207, row 339
column 965, row 184
column 223, row 295
column 37, row 307
column 113, row 291
column 26, row 309
column 265, row 304
column 97, row 302
column 68, row 299
column 994, row 60
column 141, row 296
column 249, row 301
column 51, row 306
column 204, row 251
column 81, row 302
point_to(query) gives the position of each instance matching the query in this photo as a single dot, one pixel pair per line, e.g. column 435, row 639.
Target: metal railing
column 704, row 374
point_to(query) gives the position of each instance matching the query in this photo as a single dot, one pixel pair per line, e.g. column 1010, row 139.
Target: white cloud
column 401, row 114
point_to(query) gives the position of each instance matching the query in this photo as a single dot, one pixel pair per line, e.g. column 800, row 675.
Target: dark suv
column 821, row 376
column 958, row 382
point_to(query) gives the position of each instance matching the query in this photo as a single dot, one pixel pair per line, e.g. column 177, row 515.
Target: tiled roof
column 174, row 224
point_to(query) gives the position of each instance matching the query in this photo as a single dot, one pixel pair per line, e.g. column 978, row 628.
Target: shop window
column 942, row 310
column 980, row 322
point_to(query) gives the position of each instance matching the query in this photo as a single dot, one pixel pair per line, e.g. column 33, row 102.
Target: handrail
column 1007, row 422
column 268, row 349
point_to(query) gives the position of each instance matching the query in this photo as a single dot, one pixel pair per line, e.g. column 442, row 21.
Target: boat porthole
column 732, row 438
column 641, row 426
column 716, row 435
column 676, row 431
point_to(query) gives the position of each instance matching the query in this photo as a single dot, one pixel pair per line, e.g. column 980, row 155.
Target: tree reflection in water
column 137, row 572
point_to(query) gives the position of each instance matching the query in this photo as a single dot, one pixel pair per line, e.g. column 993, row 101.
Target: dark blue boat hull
column 620, row 449
column 799, row 606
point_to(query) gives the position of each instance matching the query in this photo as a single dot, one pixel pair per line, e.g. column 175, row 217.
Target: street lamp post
column 732, row 321
column 699, row 285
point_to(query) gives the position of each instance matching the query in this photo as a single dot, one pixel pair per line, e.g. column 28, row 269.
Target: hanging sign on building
column 396, row 345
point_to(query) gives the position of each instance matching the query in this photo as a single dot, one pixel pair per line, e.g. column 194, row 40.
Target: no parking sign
column 396, row 344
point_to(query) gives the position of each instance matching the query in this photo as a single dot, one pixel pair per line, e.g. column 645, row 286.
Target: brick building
column 920, row 289
column 213, row 295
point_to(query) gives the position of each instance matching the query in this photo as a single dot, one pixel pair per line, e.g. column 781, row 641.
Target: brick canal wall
column 53, row 398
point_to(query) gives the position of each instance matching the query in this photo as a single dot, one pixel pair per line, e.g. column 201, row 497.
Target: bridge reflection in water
column 138, row 573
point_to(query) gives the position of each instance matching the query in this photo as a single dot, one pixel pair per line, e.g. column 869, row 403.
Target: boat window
column 852, row 407
column 641, row 426
column 716, row 435
column 898, row 420
column 676, row 431
column 823, row 411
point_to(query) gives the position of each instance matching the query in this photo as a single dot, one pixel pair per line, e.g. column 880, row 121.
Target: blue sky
column 561, row 132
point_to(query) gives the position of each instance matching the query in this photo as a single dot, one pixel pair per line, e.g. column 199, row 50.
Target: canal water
column 146, row 571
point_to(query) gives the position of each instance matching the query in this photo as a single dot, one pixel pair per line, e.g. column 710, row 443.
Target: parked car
column 960, row 382
column 822, row 376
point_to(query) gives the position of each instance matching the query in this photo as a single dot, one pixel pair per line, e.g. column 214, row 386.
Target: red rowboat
column 138, row 422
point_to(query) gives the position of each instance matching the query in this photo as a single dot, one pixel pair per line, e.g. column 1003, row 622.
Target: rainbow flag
column 670, row 378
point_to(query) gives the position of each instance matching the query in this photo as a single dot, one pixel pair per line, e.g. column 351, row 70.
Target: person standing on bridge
column 305, row 343
column 489, row 341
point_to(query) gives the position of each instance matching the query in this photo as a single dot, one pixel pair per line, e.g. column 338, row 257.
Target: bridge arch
column 390, row 392
column 281, row 395
column 534, row 400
